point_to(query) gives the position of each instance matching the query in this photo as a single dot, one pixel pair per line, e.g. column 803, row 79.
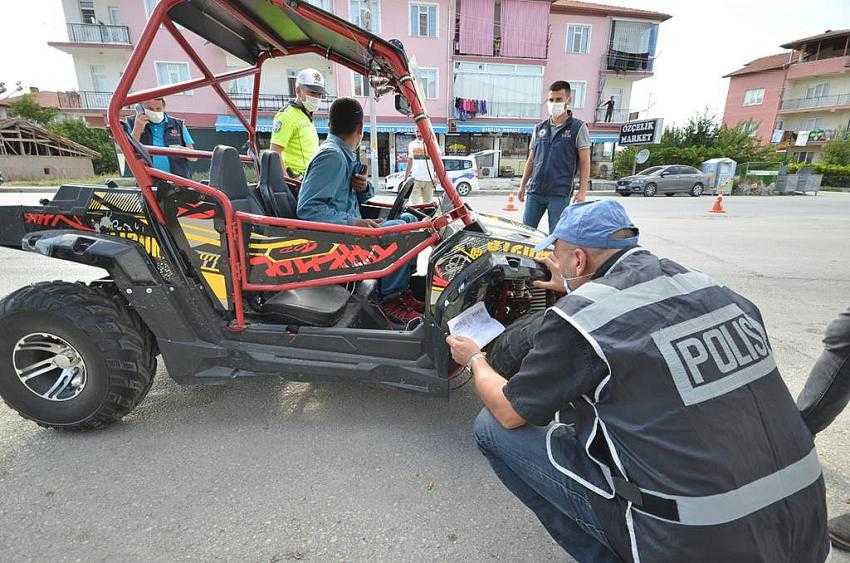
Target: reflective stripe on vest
column 746, row 499
column 700, row 342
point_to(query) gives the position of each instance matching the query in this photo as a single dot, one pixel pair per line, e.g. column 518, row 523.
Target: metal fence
column 818, row 102
column 619, row 61
column 98, row 33
column 617, row 116
column 84, row 99
column 273, row 102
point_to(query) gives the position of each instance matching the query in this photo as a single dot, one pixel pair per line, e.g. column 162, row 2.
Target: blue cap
column 592, row 224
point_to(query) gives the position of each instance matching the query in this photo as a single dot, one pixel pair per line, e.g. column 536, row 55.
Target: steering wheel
column 404, row 192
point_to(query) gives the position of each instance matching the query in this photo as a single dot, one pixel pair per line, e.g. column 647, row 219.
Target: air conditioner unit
column 488, row 172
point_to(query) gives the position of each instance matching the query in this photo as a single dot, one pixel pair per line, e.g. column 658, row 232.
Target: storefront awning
column 229, row 124
column 495, row 128
column 604, row 137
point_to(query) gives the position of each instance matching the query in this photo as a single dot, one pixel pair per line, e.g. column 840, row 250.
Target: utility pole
column 373, row 141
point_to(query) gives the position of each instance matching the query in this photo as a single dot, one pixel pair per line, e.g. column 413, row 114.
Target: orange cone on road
column 718, row 205
column 511, row 204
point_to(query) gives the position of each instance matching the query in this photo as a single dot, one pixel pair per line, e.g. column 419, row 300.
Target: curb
column 29, row 190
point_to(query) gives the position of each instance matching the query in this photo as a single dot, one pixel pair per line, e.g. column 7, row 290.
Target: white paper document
column 477, row 324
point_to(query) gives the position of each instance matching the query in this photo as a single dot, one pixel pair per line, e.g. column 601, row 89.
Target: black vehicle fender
column 125, row 261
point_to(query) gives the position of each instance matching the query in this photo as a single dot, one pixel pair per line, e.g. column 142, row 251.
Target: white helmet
column 311, row 79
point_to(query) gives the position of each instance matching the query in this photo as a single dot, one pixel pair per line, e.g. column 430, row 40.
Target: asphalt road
column 265, row 470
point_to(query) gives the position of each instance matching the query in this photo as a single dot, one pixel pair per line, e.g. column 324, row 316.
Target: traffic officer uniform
column 293, row 128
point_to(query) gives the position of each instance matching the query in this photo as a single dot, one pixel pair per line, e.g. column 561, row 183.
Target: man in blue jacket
column 156, row 128
column 560, row 148
column 333, row 190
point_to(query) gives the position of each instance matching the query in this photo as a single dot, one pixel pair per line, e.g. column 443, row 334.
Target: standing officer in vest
column 672, row 434
column 294, row 135
column 559, row 146
column 156, row 128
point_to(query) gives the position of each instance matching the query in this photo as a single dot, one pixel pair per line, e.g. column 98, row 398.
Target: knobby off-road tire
column 80, row 327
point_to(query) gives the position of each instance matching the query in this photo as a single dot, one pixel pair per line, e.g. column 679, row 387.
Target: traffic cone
column 511, row 204
column 718, row 205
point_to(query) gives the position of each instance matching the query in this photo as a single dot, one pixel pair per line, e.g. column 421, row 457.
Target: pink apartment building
column 493, row 56
column 801, row 95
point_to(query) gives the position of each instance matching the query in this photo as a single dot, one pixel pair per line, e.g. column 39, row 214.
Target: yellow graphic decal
column 149, row 243
column 217, row 285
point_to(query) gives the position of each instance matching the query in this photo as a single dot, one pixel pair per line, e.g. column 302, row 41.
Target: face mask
column 567, row 288
column 556, row 108
column 155, row 116
column 311, row 103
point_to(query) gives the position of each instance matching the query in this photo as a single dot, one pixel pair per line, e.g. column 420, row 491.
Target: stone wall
column 42, row 167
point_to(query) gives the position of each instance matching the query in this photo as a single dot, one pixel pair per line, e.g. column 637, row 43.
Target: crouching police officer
column 672, row 435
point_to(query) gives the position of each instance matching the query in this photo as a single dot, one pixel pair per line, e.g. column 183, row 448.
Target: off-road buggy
column 220, row 278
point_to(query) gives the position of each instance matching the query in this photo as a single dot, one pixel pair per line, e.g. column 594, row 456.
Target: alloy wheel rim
column 48, row 366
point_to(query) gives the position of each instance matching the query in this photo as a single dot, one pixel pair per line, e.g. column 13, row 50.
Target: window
column 98, row 78
column 423, row 20
column 805, row 157
column 326, row 5
column 87, row 11
column 509, row 90
column 812, row 123
column 243, row 85
column 114, row 16
column 172, row 73
column 749, row 127
column 820, row 90
column 754, row 97
column 149, row 7
column 427, row 78
column 578, row 38
column 579, row 93
column 365, row 14
column 360, row 86
column 291, row 77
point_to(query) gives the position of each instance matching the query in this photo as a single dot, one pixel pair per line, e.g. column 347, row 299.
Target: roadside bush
column 95, row 139
column 701, row 139
column 837, row 150
column 27, row 108
column 834, row 175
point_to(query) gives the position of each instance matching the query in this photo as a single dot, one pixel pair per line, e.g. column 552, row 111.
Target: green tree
column 837, row 151
column 27, row 107
column 95, row 139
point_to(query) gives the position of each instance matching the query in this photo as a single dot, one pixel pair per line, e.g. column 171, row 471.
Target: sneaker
column 398, row 311
column 413, row 302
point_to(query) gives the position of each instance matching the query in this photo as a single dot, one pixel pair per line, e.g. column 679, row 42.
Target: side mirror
column 664, row 174
column 402, row 106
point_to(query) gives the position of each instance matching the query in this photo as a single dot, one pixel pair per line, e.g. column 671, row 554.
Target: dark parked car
column 667, row 180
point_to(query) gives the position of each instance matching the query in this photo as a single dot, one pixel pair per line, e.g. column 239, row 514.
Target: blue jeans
column 399, row 280
column 536, row 205
column 519, row 459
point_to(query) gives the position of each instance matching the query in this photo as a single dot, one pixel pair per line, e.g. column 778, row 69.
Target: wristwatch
column 474, row 357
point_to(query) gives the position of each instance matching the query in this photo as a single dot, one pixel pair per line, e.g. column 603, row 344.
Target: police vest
column 173, row 136
column 692, row 436
column 555, row 158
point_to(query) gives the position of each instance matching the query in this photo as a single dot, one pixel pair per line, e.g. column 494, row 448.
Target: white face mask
column 155, row 116
column 567, row 287
column 556, row 108
column 311, row 103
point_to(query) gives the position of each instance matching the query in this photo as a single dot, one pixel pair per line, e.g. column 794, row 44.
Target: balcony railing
column 819, row 102
column 98, row 33
column 619, row 61
column 273, row 102
column 819, row 136
column 617, row 116
column 84, row 99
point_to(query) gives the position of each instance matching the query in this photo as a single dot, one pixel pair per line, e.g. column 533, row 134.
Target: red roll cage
column 234, row 221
